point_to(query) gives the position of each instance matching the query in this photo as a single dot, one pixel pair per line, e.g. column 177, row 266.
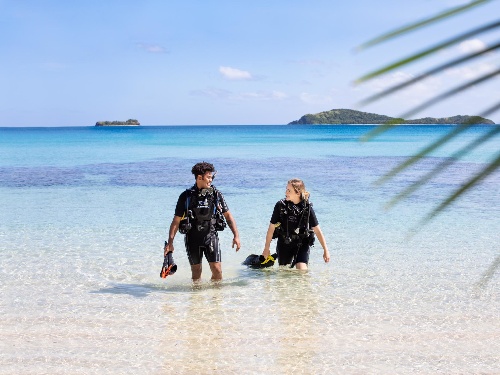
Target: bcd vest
column 202, row 213
column 302, row 231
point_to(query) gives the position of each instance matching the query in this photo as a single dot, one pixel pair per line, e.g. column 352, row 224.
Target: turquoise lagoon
column 85, row 211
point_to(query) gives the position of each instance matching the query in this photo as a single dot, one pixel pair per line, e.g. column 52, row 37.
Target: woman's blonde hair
column 300, row 188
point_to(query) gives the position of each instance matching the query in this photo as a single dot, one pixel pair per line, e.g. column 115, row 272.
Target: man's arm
column 174, row 227
column 232, row 225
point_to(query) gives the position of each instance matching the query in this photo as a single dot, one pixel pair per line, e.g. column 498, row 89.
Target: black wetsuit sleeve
column 222, row 202
column 180, row 208
column 276, row 216
column 313, row 221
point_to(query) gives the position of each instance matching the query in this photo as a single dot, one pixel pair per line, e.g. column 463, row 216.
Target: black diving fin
column 258, row 261
column 169, row 267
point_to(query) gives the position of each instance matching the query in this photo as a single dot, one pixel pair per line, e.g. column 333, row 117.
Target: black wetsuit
column 292, row 243
column 202, row 238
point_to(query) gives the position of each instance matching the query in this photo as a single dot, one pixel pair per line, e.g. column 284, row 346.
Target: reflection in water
column 284, row 321
column 197, row 331
column 202, row 331
column 297, row 321
column 272, row 326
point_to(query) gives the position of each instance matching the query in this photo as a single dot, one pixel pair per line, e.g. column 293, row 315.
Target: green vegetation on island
column 350, row 116
column 129, row 122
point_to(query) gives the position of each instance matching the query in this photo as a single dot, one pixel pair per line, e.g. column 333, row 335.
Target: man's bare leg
column 216, row 268
column 196, row 272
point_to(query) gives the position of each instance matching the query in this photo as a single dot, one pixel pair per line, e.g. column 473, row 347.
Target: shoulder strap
column 188, row 198
column 186, row 206
column 284, row 216
column 283, row 206
column 217, row 201
column 216, row 194
column 308, row 209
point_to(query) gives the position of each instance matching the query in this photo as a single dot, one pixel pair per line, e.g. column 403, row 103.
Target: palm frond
column 380, row 129
column 429, row 73
column 427, row 21
column 428, row 51
column 432, row 101
column 489, row 272
column 435, row 145
column 451, row 93
column 443, row 165
column 426, row 151
column 489, row 169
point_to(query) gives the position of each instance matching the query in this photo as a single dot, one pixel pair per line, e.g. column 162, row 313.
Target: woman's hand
column 322, row 241
column 269, row 238
column 326, row 256
column 266, row 253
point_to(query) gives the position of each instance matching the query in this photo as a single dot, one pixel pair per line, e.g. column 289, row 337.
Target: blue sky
column 190, row 62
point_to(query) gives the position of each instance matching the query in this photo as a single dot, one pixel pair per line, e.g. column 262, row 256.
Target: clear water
column 84, row 213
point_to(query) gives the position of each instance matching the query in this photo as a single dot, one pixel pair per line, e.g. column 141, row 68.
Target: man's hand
column 169, row 247
column 236, row 241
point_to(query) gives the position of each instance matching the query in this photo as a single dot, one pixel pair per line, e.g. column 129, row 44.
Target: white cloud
column 309, row 98
column 279, row 95
column 471, row 46
column 152, row 48
column 230, row 95
column 234, row 74
column 311, row 62
column 264, row 95
column 471, row 72
column 388, row 80
column 213, row 93
column 405, row 98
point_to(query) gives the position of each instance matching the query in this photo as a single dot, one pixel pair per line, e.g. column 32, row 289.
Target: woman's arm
column 269, row 238
column 322, row 241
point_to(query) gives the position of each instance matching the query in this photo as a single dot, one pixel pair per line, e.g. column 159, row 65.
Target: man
column 198, row 215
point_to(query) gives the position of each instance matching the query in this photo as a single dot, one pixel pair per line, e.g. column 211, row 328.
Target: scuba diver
column 294, row 223
column 200, row 212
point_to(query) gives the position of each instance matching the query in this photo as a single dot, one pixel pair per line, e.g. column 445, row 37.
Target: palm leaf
column 428, row 51
column 419, row 24
column 429, row 73
column 489, row 169
column 390, row 124
column 451, row 93
column 489, row 272
column 434, row 146
column 443, row 165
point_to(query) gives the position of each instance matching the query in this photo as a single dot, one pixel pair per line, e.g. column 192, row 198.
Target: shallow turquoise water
column 85, row 212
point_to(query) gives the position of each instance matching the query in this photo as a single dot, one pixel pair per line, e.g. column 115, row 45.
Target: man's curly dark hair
column 202, row 168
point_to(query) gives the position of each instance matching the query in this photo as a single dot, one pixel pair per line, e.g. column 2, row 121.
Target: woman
column 294, row 223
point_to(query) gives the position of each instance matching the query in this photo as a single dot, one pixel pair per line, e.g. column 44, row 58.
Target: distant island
column 129, row 122
column 350, row 116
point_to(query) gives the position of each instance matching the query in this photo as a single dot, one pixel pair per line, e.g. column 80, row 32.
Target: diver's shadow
column 253, row 271
column 134, row 290
column 144, row 290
